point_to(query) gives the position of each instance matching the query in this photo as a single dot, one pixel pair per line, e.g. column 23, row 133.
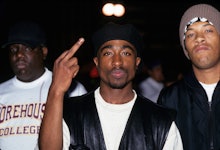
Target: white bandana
column 196, row 19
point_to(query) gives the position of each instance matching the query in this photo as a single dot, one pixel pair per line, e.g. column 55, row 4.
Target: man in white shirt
column 23, row 97
column 151, row 86
column 196, row 97
column 113, row 117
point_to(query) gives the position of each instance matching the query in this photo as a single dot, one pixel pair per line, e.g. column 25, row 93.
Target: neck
column 208, row 76
column 117, row 96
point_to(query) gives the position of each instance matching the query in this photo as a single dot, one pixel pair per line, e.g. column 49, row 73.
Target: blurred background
column 64, row 21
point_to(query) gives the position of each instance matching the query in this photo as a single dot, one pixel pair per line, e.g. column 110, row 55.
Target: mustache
column 116, row 69
column 21, row 59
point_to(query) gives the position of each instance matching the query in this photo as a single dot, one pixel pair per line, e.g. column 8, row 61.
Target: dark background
column 65, row 21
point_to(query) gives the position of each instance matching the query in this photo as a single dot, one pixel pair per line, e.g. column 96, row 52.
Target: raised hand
column 66, row 68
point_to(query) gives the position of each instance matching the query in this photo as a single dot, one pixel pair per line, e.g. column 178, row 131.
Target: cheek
column 104, row 62
column 132, row 66
column 216, row 43
column 188, row 45
column 12, row 58
column 102, row 65
column 131, row 62
column 35, row 58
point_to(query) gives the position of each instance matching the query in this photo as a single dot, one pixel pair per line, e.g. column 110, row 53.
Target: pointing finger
column 74, row 48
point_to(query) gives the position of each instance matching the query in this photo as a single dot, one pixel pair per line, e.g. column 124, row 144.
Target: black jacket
column 146, row 129
column 197, row 119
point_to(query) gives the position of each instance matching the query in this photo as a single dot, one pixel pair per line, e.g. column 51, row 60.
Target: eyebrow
column 123, row 47
column 204, row 25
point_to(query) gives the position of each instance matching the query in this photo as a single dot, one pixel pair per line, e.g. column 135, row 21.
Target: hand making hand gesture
column 66, row 68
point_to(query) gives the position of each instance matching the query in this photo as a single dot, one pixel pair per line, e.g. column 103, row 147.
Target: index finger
column 75, row 47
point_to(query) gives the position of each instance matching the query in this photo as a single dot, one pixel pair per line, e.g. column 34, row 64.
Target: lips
column 201, row 48
column 20, row 64
column 118, row 73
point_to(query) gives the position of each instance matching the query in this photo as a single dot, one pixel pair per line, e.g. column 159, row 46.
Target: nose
column 20, row 53
column 117, row 60
column 200, row 38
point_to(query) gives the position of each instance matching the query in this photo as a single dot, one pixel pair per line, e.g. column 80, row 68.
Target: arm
column 65, row 68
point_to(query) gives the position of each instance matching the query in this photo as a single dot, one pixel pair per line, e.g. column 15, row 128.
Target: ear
column 138, row 61
column 186, row 54
column 95, row 60
column 45, row 52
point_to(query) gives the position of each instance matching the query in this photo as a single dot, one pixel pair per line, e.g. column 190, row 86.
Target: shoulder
column 76, row 89
column 174, row 95
column 80, row 86
column 173, row 89
column 158, row 117
column 6, row 83
column 75, row 105
column 76, row 100
column 145, row 81
column 155, row 109
column 48, row 72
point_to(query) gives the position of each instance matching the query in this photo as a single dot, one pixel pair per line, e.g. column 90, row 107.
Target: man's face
column 27, row 63
column 203, row 45
column 157, row 73
column 117, row 63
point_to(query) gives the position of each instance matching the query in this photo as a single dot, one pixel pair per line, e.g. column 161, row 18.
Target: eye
column 107, row 53
column 13, row 50
column 208, row 30
column 126, row 53
column 28, row 49
column 190, row 35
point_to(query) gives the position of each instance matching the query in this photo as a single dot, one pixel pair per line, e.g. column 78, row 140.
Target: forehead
column 199, row 23
column 117, row 43
column 18, row 45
